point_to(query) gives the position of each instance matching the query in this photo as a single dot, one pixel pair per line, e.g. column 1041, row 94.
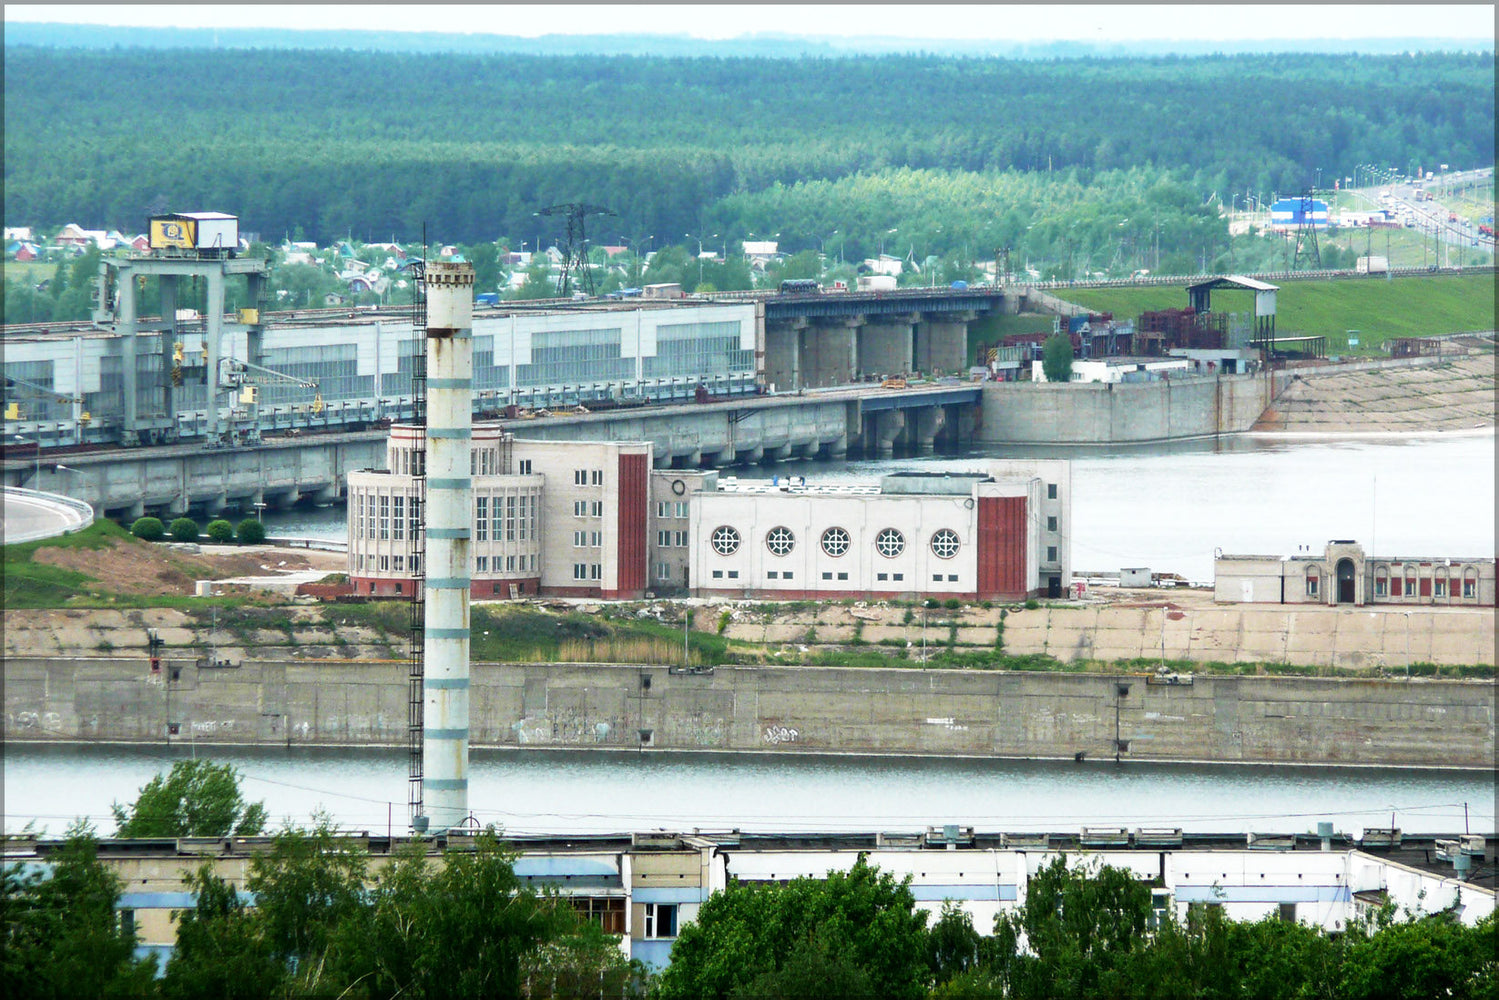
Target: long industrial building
column 643, row 889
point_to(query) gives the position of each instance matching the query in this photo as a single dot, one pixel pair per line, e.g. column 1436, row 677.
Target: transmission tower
column 1306, row 235
column 575, row 248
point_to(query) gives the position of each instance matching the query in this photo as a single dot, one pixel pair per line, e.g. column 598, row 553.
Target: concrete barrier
column 1422, row 723
column 1096, row 413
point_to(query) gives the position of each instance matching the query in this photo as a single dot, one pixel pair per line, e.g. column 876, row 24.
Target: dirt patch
column 130, row 567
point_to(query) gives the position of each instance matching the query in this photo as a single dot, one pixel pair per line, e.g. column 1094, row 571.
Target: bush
column 184, row 529
column 952, row 604
column 148, row 529
column 220, row 531
column 1032, row 604
column 250, row 532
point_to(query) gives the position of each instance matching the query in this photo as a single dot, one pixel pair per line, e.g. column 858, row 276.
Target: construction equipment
column 19, row 387
column 241, row 382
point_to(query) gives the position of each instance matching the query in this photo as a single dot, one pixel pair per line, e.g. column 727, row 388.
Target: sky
column 1098, row 23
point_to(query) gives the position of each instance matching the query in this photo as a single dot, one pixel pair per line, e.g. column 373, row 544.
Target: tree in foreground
column 220, row 531
column 1056, row 358
column 62, row 938
column 183, row 529
column 198, row 798
column 854, row 933
column 249, row 532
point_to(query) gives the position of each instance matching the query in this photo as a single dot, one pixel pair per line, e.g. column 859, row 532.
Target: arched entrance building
column 1343, row 575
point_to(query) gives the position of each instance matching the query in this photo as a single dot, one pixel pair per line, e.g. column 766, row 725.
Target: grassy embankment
column 1380, row 310
column 645, row 633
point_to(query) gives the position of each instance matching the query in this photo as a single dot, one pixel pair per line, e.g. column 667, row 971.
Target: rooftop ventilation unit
column 1104, row 836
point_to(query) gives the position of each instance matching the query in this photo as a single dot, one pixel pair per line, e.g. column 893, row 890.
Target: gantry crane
column 245, row 378
column 19, row 387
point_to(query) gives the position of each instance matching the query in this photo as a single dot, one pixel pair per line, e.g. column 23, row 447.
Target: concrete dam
column 1214, row 718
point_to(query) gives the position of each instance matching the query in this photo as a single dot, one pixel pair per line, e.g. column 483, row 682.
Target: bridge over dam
column 280, row 471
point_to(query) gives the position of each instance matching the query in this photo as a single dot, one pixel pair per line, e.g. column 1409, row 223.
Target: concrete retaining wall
column 1120, row 413
column 782, row 710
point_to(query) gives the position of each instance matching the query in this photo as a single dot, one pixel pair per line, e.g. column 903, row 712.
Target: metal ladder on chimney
column 418, row 540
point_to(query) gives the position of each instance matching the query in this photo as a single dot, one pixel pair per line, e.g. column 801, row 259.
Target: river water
column 1168, row 507
column 1162, row 507
column 551, row 791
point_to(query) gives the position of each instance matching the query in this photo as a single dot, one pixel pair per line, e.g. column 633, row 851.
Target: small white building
column 1118, row 369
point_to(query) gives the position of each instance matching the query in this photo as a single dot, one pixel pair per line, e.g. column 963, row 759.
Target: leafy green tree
column 1056, row 358
column 148, row 529
column 1427, row 956
column 305, row 885
column 221, row 949
column 953, row 946
column 249, row 531
column 62, row 936
column 220, row 531
column 1079, row 926
column 184, row 529
column 851, row 928
column 197, row 798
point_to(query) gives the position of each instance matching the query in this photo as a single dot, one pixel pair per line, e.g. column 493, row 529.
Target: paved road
column 30, row 515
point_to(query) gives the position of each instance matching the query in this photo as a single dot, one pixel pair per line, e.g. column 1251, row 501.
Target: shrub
column 220, row 531
column 1032, row 604
column 148, row 529
column 184, row 529
column 952, row 604
column 249, row 532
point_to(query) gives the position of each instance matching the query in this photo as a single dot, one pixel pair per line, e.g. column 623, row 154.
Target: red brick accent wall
column 1001, row 547
column 634, row 484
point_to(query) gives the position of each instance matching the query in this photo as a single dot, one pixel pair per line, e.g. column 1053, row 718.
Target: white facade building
column 999, row 533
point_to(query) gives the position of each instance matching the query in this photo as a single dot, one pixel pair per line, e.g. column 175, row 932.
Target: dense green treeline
column 327, row 921
column 378, row 144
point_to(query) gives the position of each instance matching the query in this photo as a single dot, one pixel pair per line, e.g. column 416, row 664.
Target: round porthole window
column 890, row 543
column 835, row 541
column 945, row 543
column 725, row 540
column 780, row 541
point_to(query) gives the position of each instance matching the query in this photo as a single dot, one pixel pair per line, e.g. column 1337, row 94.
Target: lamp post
column 260, row 506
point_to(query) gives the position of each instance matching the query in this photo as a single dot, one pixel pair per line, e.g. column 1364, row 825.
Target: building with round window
column 996, row 533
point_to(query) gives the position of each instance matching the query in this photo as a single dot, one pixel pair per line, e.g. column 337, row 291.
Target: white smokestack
column 450, row 366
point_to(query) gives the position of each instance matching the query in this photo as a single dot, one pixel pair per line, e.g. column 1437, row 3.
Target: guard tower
column 172, row 361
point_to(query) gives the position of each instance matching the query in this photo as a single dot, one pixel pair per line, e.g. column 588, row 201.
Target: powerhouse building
column 362, row 362
column 595, row 519
column 996, row 534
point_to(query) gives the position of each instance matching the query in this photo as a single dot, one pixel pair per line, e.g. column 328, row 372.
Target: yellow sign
column 249, row 317
column 182, row 233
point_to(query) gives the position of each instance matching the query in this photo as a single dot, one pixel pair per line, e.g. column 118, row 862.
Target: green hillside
column 1380, row 310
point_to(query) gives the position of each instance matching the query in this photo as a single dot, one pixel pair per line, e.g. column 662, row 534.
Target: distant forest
column 940, row 155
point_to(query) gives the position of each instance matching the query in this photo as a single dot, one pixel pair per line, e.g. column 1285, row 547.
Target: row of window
column 669, row 508
column 507, row 518
column 588, row 508
column 482, row 564
column 525, row 563
column 388, row 564
column 888, row 542
column 588, row 477
column 671, row 539
column 1440, row 587
column 387, row 517
column 588, row 571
